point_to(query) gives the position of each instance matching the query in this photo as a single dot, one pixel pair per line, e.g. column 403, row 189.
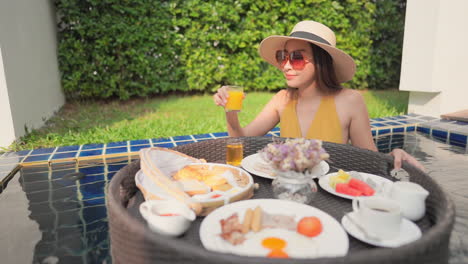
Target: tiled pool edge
column 452, row 132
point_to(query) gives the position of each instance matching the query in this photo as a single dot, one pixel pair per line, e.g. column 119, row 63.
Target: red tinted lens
column 297, row 60
column 281, row 57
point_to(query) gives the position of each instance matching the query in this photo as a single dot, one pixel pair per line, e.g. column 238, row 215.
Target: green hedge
column 130, row 48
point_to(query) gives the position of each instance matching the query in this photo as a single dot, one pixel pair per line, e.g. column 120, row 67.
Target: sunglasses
column 295, row 58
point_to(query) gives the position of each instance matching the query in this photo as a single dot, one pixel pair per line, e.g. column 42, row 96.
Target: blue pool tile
column 92, row 178
column 275, row 129
column 384, row 131
column 410, row 128
column 180, row 143
column 440, row 139
column 180, row 138
column 117, row 144
column 424, row 130
column 165, row 145
column 67, row 149
column 92, row 190
column 393, row 123
column 139, row 142
column 200, row 136
column 439, row 133
column 92, row 146
column 89, row 153
column 204, row 139
column 458, row 139
column 64, row 155
column 403, row 121
column 379, row 119
column 92, row 170
column 398, row 129
column 116, row 150
column 378, row 125
column 397, row 118
column 37, row 158
column 137, row 148
column 220, row 134
column 374, row 132
column 161, row 140
column 42, row 151
column 115, row 167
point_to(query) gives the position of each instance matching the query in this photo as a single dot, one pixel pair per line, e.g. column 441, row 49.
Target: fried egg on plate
column 267, row 240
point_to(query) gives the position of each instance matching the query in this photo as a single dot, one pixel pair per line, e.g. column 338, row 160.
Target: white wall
column 29, row 52
column 7, row 132
column 435, row 55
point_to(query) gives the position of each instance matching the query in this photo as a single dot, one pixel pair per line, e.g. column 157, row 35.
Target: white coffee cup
column 380, row 216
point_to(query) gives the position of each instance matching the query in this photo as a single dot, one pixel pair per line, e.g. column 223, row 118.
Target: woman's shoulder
column 350, row 96
column 281, row 96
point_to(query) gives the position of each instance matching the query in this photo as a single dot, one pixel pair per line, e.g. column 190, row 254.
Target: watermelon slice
column 361, row 186
column 344, row 188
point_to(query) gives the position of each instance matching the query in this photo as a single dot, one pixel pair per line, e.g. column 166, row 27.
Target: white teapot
column 411, row 197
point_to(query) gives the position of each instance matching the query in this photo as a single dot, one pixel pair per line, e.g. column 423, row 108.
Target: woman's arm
column 264, row 122
column 360, row 132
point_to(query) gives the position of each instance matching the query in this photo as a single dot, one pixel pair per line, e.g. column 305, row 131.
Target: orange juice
column 234, row 153
column 234, row 102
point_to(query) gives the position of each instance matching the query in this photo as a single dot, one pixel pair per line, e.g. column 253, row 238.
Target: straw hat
column 317, row 34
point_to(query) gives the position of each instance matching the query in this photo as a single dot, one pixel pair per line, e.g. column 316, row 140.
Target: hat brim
column 342, row 63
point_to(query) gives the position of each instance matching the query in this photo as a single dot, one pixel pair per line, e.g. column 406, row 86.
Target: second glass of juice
column 234, row 151
column 234, row 101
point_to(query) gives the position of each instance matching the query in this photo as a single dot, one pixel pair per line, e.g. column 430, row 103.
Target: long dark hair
column 327, row 83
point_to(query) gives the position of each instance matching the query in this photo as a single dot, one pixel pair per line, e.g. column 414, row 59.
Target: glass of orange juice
column 234, row 101
column 234, row 151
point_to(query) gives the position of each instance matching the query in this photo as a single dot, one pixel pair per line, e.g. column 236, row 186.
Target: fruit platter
column 353, row 184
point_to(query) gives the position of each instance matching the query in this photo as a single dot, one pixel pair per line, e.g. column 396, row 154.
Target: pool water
column 57, row 213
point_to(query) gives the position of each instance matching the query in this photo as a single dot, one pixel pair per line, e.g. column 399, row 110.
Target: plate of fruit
column 274, row 229
column 352, row 184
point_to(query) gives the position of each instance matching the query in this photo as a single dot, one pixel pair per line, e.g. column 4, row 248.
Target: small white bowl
column 168, row 217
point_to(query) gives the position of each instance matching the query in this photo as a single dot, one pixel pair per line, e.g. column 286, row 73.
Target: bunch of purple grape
column 297, row 154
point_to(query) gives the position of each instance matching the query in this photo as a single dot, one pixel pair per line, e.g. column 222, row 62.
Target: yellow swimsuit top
column 325, row 126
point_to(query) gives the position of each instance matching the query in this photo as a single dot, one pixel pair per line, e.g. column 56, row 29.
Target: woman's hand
column 220, row 97
column 401, row 155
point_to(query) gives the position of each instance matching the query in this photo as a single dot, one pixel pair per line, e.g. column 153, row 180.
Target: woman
column 315, row 105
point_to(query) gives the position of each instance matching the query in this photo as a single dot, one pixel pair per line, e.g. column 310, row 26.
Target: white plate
column 332, row 242
column 256, row 165
column 324, row 183
column 409, row 232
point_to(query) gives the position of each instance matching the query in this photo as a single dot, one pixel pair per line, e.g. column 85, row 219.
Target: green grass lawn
column 103, row 122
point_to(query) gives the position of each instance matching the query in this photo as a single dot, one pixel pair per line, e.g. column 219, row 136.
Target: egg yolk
column 273, row 243
column 277, row 253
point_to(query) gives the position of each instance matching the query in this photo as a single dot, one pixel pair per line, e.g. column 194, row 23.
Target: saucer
column 409, row 232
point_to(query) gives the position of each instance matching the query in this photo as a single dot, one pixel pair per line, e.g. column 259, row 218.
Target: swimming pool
column 55, row 210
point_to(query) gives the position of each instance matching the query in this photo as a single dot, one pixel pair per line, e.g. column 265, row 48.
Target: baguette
column 256, row 224
column 247, row 221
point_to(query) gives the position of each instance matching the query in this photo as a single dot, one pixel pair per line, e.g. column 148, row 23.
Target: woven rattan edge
column 440, row 231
